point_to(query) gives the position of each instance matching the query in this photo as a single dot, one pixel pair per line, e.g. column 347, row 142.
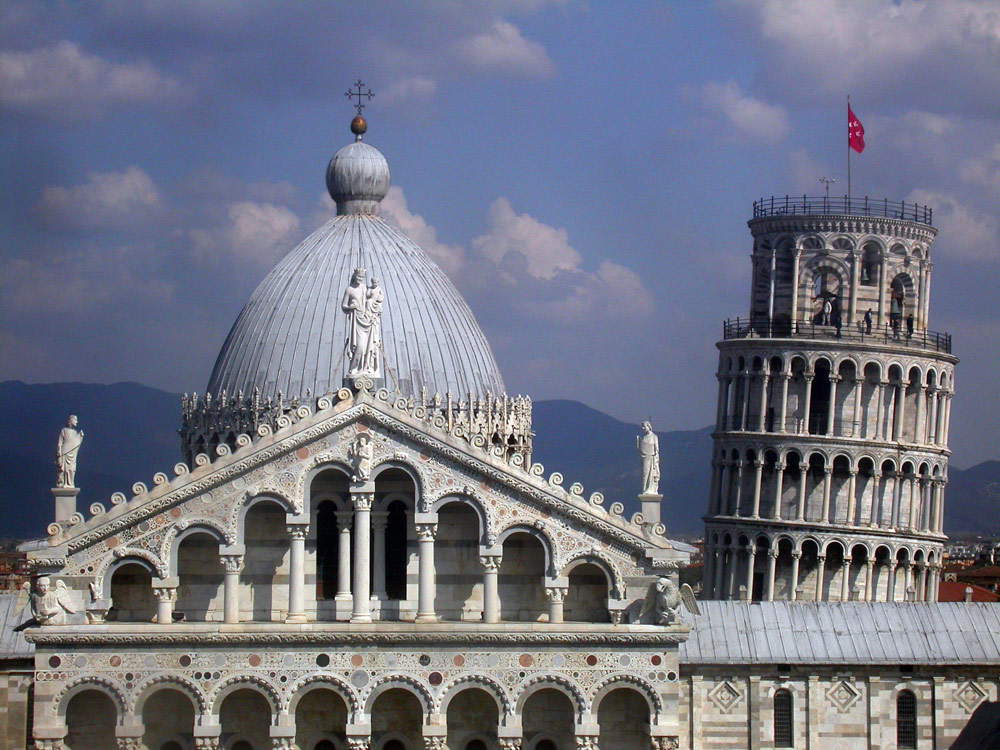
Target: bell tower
column 831, row 444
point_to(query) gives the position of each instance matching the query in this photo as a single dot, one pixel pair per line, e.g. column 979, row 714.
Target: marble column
column 880, row 409
column 796, row 558
column 233, row 565
column 899, row 416
column 897, row 498
column 724, row 487
column 362, row 501
column 379, row 521
column 297, row 573
column 947, row 418
column 859, row 387
column 757, row 477
column 845, row 580
column 827, row 482
column 345, row 519
column 731, row 572
column 426, row 587
column 852, row 305
column 772, row 562
column 852, row 487
column 720, row 565
column 720, row 412
column 919, row 428
column 779, row 479
column 491, row 588
column 831, row 412
column 556, row 596
column 932, row 417
column 820, row 575
column 808, row 398
column 783, row 410
column 800, row 511
column 751, row 551
column 745, row 379
column 165, row 598
column 795, row 288
column 881, row 291
column 870, row 580
column 876, row 506
column 739, row 487
column 762, row 417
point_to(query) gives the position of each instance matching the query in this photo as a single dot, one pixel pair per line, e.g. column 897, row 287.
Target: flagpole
column 848, row 152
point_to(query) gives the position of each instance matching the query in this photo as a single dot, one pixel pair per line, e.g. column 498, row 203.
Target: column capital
column 821, row 558
column 359, row 743
column 165, row 593
column 773, row 553
column 232, row 563
column 128, row 743
column 426, row 531
column 796, row 554
column 436, row 742
column 808, row 376
column 345, row 519
column 509, row 743
column 491, row 562
column 586, row 742
column 556, row 593
column 362, row 500
column 298, row 530
column 380, row 518
column 847, row 562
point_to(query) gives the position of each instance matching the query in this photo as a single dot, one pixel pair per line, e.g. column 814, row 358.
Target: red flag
column 855, row 131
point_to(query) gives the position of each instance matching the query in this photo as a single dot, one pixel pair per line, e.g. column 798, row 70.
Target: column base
column 296, row 618
column 344, row 596
column 361, row 619
column 426, row 619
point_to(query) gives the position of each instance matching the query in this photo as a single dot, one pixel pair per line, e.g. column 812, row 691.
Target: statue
column 70, row 439
column 49, row 606
column 649, row 451
column 363, row 306
column 663, row 599
column 361, row 452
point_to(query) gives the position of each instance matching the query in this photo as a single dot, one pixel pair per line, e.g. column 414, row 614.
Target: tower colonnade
column 831, row 443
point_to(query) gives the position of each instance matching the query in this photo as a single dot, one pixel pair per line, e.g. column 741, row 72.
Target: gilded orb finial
column 359, row 125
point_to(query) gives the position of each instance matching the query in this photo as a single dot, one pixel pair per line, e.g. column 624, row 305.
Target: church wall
column 16, row 683
column 849, row 708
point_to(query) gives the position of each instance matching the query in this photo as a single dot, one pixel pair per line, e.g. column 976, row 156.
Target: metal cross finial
column 361, row 93
column 828, row 181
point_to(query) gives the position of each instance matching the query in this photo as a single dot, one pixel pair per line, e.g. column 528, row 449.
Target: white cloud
column 107, row 200
column 63, row 80
column 503, row 48
column 748, row 115
column 984, row 170
column 834, row 46
column 545, row 249
column 965, row 233
column 395, row 210
column 410, row 88
column 254, row 232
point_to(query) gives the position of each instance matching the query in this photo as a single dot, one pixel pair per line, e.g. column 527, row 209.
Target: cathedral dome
column 291, row 336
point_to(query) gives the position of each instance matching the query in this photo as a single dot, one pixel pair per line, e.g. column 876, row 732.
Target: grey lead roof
column 729, row 632
column 290, row 336
column 13, row 612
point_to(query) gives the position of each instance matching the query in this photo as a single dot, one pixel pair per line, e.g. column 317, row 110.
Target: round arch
column 635, row 683
column 143, row 559
column 555, row 682
column 171, row 682
column 256, row 684
column 403, row 682
column 540, row 535
column 470, row 500
column 261, row 498
column 481, row 682
column 615, row 584
column 83, row 684
column 174, row 540
column 325, row 681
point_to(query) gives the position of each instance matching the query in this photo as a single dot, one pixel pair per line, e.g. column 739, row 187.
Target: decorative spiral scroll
column 243, row 440
column 323, row 403
column 659, row 529
column 401, row 404
column 53, row 529
column 222, row 450
column 343, row 394
column 364, row 384
column 420, row 412
column 617, row 509
column 303, row 412
column 160, row 478
column 139, row 488
column 76, row 519
column 460, row 431
column 517, row 459
column 202, row 459
column 439, row 421
column 576, row 489
column 498, row 451
column 263, row 430
column 382, row 394
column 556, row 479
column 181, row 469
column 637, row 519
column 536, row 470
column 118, row 498
column 597, row 498
column 97, row 509
column 283, row 421
column 478, row 441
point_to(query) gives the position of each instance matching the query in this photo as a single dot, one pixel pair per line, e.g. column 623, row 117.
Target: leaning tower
column 831, row 443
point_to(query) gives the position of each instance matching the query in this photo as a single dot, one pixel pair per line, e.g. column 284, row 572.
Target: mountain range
column 131, row 433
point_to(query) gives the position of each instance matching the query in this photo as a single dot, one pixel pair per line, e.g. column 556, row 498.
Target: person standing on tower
column 868, row 321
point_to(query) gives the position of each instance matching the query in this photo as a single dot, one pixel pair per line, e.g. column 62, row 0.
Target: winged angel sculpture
column 49, row 606
column 663, row 601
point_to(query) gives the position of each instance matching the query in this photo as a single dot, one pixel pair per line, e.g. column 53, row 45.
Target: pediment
column 278, row 464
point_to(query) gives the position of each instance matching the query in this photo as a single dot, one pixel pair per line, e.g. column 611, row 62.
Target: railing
column 804, row 205
column 893, row 335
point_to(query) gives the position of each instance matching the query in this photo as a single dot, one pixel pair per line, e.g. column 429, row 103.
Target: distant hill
column 131, row 433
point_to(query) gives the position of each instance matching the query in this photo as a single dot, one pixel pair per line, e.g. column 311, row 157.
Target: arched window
column 783, row 734
column 325, row 745
column 476, row 745
column 906, row 719
column 242, row 745
column 546, row 745
column 393, row 745
column 172, row 745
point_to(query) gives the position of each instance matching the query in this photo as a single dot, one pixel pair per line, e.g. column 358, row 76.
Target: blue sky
column 583, row 171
